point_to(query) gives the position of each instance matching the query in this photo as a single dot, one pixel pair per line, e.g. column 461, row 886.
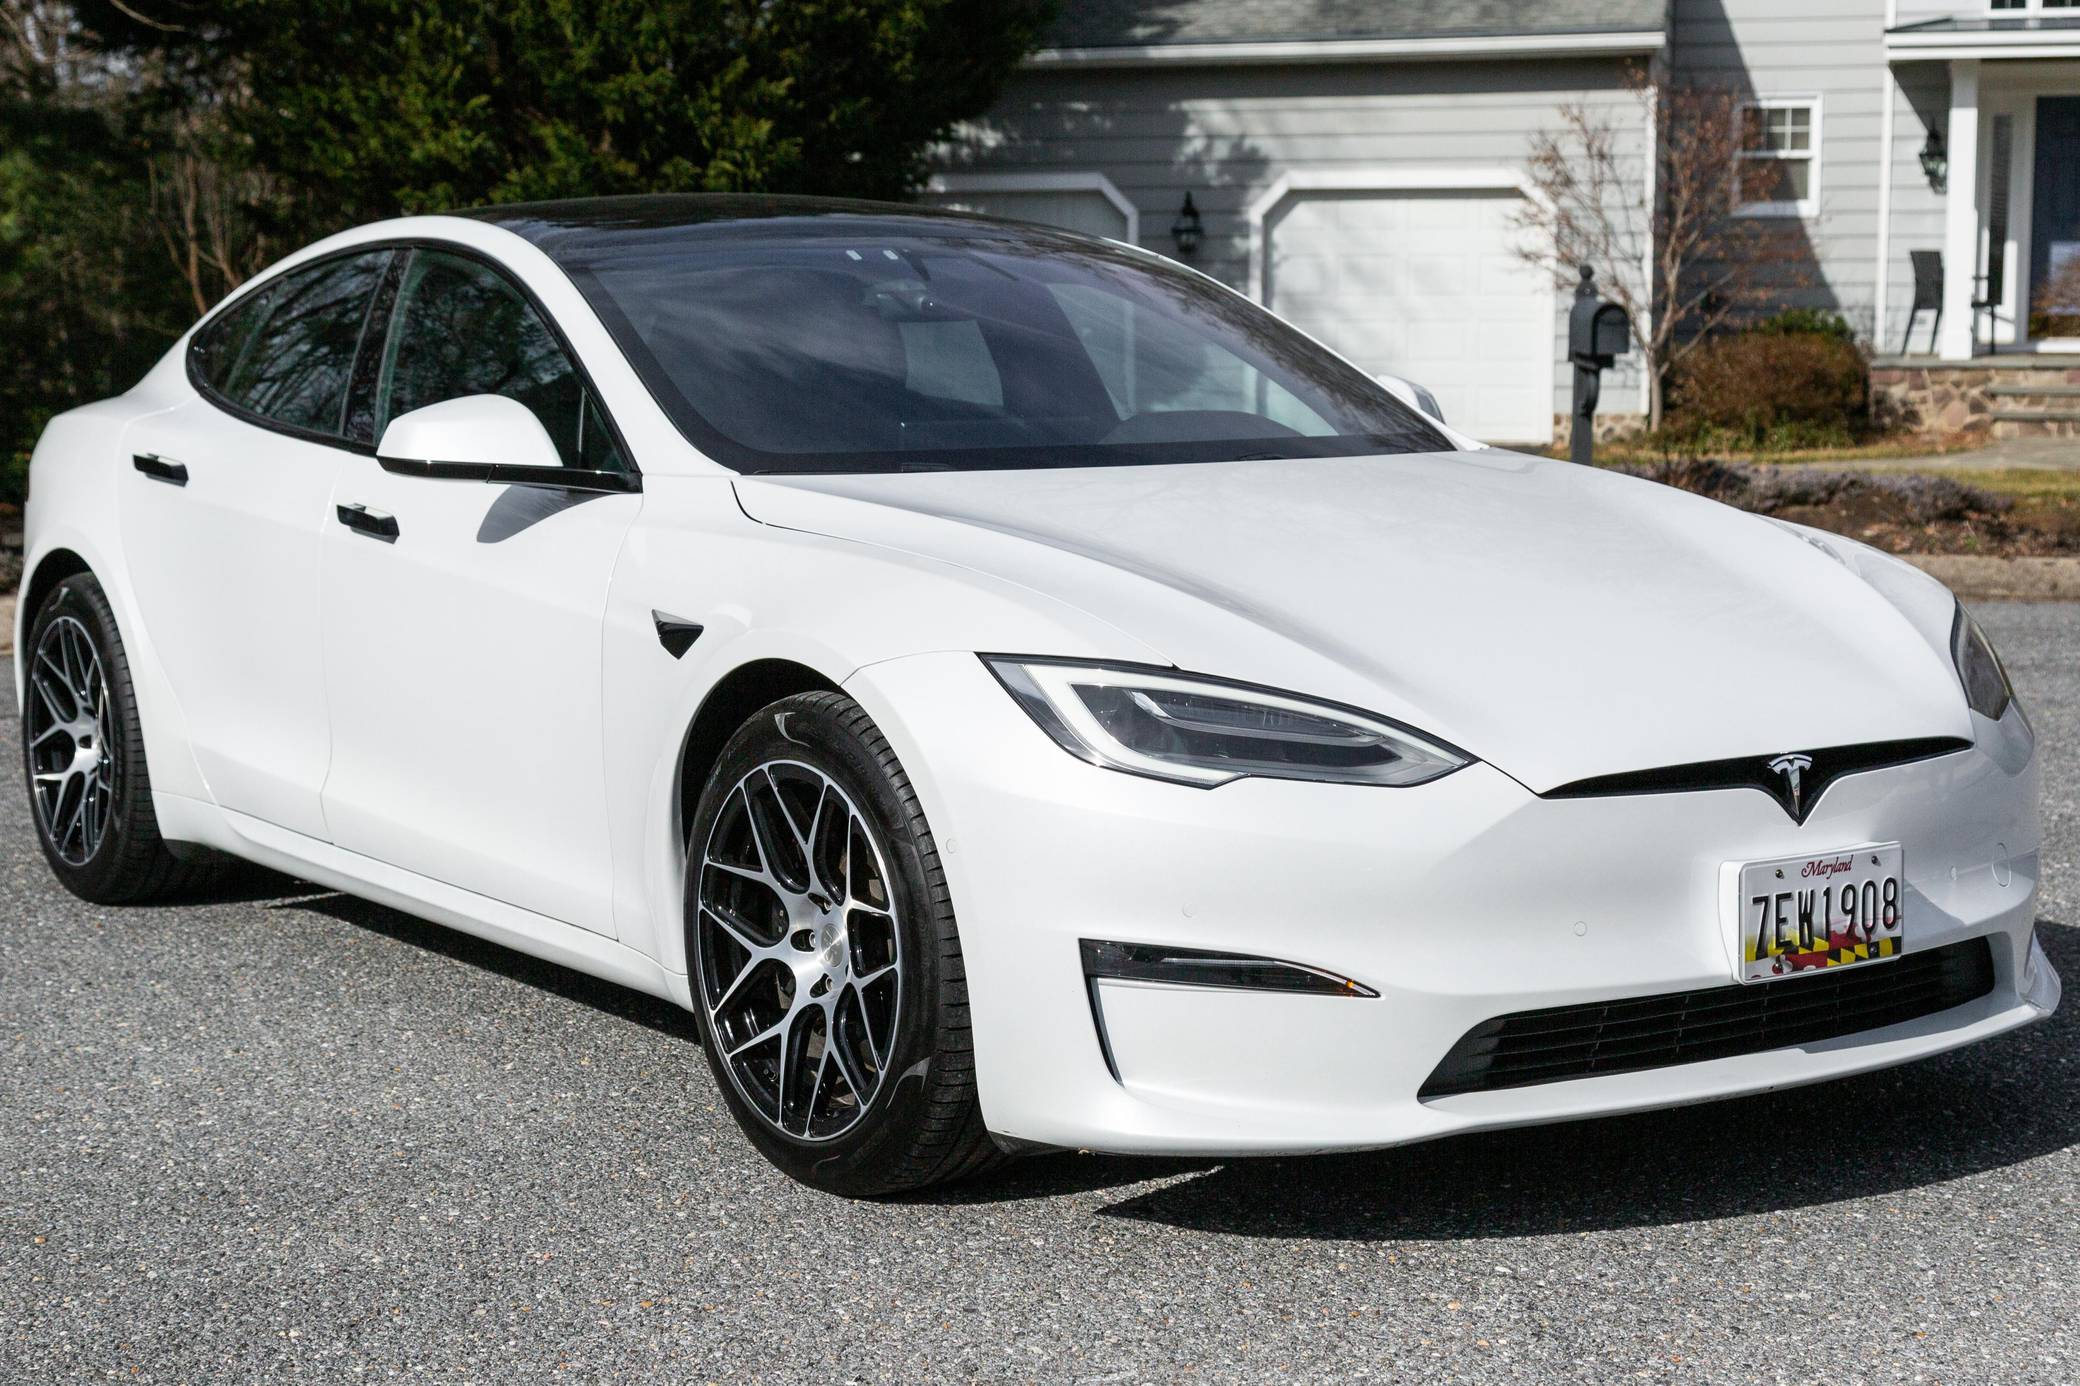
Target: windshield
column 893, row 343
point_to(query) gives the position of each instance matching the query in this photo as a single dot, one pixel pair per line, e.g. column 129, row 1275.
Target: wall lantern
column 1935, row 160
column 1188, row 229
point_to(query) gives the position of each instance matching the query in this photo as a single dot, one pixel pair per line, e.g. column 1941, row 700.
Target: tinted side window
column 219, row 347
column 461, row 328
column 289, row 353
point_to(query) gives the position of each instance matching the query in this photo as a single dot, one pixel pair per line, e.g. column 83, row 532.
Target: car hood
column 1556, row 621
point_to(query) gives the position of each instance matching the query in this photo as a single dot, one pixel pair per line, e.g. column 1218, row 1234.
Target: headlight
column 1207, row 732
column 1986, row 686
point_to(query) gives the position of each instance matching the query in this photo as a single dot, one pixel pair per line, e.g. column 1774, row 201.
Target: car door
column 462, row 645
column 221, row 508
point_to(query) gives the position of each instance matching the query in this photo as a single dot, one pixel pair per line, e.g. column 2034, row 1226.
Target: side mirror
column 1412, row 395
column 485, row 438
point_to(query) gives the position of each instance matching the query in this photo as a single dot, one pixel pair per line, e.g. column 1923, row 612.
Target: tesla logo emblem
column 1793, row 768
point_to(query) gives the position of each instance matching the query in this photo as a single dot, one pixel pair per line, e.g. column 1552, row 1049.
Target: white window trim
column 1807, row 206
column 954, row 184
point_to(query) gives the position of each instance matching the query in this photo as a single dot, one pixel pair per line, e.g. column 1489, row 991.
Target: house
column 1360, row 167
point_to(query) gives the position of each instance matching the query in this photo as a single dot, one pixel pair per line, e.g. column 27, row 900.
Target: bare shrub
column 1752, row 387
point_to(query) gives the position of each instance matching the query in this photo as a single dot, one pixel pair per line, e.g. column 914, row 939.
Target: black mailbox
column 1612, row 333
column 1598, row 333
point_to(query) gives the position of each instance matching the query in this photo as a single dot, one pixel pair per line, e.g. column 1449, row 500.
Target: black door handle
column 374, row 523
column 159, row 469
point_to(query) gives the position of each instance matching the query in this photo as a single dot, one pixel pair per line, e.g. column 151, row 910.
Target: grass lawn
column 1875, row 450
column 2020, row 484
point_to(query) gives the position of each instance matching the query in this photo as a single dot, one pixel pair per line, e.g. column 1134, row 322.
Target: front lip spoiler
column 1827, row 766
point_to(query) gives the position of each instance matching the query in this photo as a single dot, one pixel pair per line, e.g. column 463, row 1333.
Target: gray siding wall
column 1226, row 134
column 1835, row 50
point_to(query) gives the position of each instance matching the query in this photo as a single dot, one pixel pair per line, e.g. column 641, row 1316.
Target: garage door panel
column 1439, row 277
column 1425, row 285
column 1509, row 278
column 1349, row 338
column 1309, row 277
column 1433, row 212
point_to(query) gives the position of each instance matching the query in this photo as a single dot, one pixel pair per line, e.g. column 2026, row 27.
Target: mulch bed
column 1900, row 512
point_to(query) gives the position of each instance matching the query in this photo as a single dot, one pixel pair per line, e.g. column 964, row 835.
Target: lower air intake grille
column 1684, row 1027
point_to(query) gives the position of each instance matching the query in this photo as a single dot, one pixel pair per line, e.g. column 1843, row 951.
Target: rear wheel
column 826, row 967
column 83, row 753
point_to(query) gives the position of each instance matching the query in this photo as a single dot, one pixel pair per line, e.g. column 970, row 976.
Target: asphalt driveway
column 288, row 1135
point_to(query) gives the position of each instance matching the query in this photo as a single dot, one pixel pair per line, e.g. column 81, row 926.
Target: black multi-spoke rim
column 72, row 769
column 799, row 954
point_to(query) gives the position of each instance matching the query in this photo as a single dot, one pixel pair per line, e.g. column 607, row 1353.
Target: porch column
column 1961, row 215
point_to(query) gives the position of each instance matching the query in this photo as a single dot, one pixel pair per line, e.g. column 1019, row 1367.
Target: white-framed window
column 2036, row 4
column 1777, row 164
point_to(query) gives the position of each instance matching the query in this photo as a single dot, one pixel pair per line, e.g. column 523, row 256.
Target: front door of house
column 2054, row 271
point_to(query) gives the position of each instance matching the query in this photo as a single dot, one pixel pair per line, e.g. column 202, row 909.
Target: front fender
column 760, row 592
column 1927, row 604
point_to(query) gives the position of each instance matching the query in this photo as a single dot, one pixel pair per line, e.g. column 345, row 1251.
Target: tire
column 91, row 799
column 857, row 988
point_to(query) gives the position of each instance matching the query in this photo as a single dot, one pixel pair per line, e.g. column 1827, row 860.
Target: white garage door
column 1075, row 209
column 1423, row 285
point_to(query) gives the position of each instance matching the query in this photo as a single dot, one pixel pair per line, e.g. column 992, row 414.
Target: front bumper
column 1456, row 901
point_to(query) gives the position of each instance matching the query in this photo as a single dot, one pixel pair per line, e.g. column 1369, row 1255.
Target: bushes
column 1802, row 322
column 87, row 297
column 1796, row 381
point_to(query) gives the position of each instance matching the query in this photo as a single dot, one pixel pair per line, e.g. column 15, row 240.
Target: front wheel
column 827, row 972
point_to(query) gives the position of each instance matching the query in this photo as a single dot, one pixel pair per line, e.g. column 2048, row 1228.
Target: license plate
column 1836, row 909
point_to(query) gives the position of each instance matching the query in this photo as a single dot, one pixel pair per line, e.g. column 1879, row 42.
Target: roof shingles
column 1161, row 23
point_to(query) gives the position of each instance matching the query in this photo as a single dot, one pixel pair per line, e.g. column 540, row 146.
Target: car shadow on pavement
column 652, row 1012
column 235, row 882
column 1997, row 1104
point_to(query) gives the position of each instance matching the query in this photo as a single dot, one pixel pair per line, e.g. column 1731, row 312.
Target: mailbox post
column 1598, row 333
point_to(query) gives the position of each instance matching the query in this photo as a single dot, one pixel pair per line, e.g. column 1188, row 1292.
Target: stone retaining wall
column 1609, row 427
column 2023, row 399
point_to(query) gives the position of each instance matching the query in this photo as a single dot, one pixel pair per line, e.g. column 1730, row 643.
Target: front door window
column 461, row 328
column 2054, row 309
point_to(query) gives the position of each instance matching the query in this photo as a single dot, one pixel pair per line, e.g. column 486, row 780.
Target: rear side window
column 218, row 347
column 287, row 352
column 462, row 328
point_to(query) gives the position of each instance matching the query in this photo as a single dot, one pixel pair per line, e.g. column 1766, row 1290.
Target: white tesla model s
column 1015, row 692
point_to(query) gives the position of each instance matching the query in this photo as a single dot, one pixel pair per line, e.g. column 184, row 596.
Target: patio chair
column 1928, row 295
